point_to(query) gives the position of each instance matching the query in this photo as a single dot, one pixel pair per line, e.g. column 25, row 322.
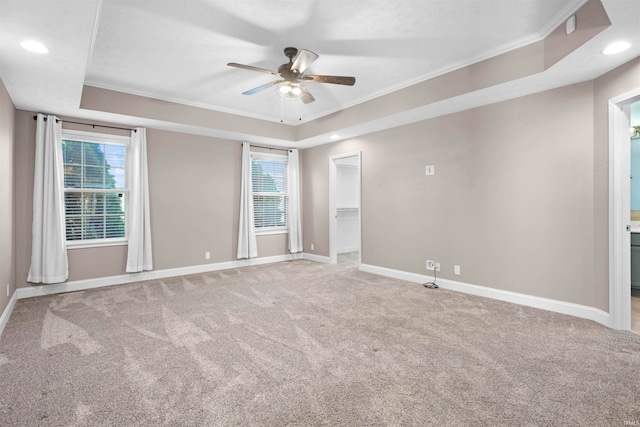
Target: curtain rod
column 270, row 148
column 86, row 124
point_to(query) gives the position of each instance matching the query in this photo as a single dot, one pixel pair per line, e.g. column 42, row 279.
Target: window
column 270, row 193
column 95, row 190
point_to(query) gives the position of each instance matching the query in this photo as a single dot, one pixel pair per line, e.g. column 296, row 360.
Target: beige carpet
column 307, row 344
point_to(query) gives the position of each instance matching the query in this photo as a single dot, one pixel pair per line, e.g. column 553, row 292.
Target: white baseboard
column 80, row 285
column 569, row 308
column 498, row 294
column 348, row 249
column 316, row 258
column 4, row 318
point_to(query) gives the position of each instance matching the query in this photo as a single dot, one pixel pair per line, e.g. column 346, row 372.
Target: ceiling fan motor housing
column 285, row 69
column 290, row 52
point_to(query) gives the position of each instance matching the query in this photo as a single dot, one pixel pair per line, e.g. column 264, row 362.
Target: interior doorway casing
column 333, row 209
column 619, row 210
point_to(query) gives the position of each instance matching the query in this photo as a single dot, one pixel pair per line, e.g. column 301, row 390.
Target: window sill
column 83, row 244
column 269, row 232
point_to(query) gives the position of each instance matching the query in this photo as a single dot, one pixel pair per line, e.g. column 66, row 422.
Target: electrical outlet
column 7, row 289
column 313, row 247
column 207, row 255
column 431, row 265
column 437, row 266
column 456, row 270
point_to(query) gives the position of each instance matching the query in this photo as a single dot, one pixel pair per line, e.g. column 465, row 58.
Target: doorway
column 344, row 208
column 621, row 225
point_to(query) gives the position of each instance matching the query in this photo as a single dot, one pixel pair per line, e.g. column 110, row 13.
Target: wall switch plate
column 207, row 255
column 430, row 170
column 431, row 265
column 313, row 246
column 456, row 270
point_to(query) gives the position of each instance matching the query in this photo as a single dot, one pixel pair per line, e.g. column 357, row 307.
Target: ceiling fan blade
column 336, row 80
column 303, row 60
column 252, row 68
column 306, row 96
column 262, row 87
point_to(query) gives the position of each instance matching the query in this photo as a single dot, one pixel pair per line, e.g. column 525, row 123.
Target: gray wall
column 194, row 195
column 519, row 199
column 7, row 232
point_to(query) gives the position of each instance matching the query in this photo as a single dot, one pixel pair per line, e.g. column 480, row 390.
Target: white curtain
column 139, row 257
column 295, row 223
column 247, row 246
column 49, row 263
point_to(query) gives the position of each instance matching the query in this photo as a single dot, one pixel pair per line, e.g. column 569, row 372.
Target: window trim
column 263, row 231
column 97, row 243
column 100, row 138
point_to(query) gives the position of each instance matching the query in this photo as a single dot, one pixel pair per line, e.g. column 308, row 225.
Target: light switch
column 430, row 170
column 570, row 25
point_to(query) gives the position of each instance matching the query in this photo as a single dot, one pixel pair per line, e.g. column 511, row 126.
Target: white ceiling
column 177, row 50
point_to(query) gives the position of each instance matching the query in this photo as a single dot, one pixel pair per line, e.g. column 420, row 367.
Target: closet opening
column 344, row 208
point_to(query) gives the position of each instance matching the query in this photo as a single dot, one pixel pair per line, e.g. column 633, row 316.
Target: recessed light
column 34, row 46
column 335, row 136
column 616, row 47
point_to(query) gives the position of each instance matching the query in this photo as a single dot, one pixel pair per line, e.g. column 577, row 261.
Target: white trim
column 97, row 243
column 395, row 274
column 348, row 249
column 7, row 311
column 95, row 137
column 316, row 258
column 619, row 238
column 269, row 156
column 79, row 285
column 619, row 201
column 571, row 309
column 270, row 230
column 626, row 97
column 94, row 34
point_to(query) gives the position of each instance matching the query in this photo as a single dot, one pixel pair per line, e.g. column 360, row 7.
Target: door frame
column 333, row 213
column 619, row 208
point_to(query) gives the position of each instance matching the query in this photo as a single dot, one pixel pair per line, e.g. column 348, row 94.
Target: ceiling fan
column 292, row 73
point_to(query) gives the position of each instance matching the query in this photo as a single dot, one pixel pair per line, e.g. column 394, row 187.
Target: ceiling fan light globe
column 283, row 89
column 289, row 90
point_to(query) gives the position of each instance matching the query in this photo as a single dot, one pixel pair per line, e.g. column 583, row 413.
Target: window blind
column 270, row 192
column 95, row 190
